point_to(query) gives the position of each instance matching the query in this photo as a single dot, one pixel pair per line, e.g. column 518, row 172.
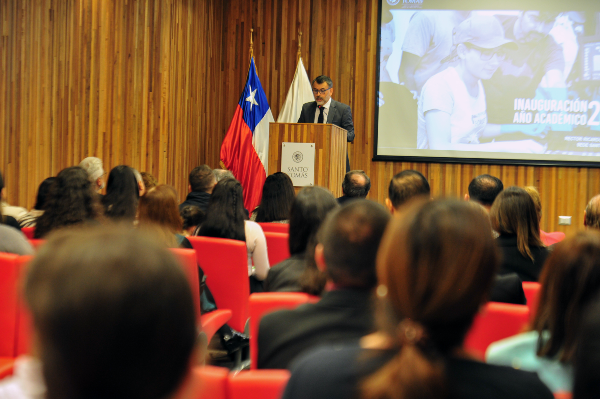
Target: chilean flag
column 245, row 150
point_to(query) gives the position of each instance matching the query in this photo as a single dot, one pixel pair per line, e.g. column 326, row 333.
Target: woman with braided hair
column 435, row 266
column 225, row 218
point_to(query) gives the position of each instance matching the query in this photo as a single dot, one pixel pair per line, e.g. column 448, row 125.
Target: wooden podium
column 330, row 152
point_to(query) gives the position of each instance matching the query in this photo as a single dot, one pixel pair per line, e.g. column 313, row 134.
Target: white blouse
column 256, row 244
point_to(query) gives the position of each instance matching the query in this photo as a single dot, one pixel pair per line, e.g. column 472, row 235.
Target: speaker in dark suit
column 326, row 110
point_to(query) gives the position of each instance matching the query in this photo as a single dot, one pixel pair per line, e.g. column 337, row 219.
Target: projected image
column 490, row 84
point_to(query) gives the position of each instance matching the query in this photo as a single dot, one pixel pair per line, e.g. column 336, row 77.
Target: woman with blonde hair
column 435, row 268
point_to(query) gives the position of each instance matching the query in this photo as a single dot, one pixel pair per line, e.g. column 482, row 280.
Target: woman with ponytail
column 225, row 218
column 435, row 266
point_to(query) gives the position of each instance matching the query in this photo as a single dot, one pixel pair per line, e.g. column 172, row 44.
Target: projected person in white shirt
column 452, row 107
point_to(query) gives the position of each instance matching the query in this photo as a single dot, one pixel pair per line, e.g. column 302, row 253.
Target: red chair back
column 28, row 231
column 211, row 382
column 23, row 342
column 214, row 320
column 9, row 275
column 495, row 322
column 187, row 258
column 277, row 247
column 36, row 243
column 532, row 293
column 263, row 303
column 275, row 227
column 225, row 263
column 258, row 384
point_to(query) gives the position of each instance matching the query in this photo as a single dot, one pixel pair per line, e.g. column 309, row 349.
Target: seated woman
column 158, row 212
column 452, row 110
column 122, row 194
column 547, row 238
column 514, row 217
column 308, row 212
column 435, row 269
column 225, row 218
column 571, row 278
column 71, row 201
column 30, row 218
column 277, row 198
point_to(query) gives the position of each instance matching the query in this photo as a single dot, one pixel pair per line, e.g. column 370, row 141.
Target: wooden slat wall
column 154, row 84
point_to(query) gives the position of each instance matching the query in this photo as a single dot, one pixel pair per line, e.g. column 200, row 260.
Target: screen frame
column 550, row 5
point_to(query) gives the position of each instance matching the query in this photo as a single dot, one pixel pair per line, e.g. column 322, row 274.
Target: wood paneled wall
column 154, row 84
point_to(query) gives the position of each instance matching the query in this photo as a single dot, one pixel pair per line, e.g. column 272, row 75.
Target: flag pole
column 299, row 55
column 251, row 49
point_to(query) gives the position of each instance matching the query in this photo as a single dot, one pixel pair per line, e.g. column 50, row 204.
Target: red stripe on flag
column 238, row 155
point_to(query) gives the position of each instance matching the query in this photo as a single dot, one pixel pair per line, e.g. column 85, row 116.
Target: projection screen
column 489, row 82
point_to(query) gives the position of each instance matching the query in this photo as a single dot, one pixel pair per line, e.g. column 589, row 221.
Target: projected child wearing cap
column 452, row 107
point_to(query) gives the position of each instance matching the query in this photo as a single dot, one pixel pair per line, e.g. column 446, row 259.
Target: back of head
column 277, row 198
column 159, row 207
column 570, row 280
column 484, row 189
column 70, row 201
column 93, row 167
column 202, row 178
column 356, row 184
column 592, row 213
column 149, row 180
column 435, row 268
column 1, row 182
column 407, row 185
column 122, row 193
column 225, row 214
column 513, row 213
column 537, row 201
column 192, row 216
column 113, row 313
column 221, row 174
column 42, row 194
column 311, row 206
column 350, row 237
column 586, row 363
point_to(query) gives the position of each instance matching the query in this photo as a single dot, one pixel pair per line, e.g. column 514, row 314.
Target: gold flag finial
column 251, row 49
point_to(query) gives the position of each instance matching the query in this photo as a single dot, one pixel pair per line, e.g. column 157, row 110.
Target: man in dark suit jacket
column 348, row 242
column 326, row 110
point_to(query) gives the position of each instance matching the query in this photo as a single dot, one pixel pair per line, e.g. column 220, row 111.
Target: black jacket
column 197, row 198
column 514, row 262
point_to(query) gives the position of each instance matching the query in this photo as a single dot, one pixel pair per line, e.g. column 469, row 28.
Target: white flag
column 299, row 94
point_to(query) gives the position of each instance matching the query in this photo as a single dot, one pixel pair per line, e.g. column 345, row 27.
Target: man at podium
column 326, row 110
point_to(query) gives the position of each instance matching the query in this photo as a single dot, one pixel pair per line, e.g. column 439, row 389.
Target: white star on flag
column 250, row 98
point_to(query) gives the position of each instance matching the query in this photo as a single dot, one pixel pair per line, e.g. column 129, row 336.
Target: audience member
column 514, row 217
column 11, row 213
column 225, row 218
column 348, row 242
column 356, row 185
column 122, row 194
column 435, row 269
column 6, row 219
column 140, row 182
column 586, row 362
column 71, row 201
column 405, row 186
column 277, row 197
column 484, row 189
column 547, row 238
column 221, row 174
column 309, row 209
column 570, row 280
column 591, row 215
column 202, row 181
column 158, row 213
column 31, row 217
column 192, row 217
column 93, row 167
column 113, row 317
column 149, row 180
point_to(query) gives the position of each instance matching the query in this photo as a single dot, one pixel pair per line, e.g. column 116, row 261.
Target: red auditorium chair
column 532, row 293
column 36, row 243
column 28, row 231
column 263, row 303
column 563, row 395
column 210, row 382
column 212, row 321
column 225, row 263
column 495, row 322
column 9, row 305
column 187, row 258
column 258, row 384
column 277, row 247
column 23, row 316
column 275, row 227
